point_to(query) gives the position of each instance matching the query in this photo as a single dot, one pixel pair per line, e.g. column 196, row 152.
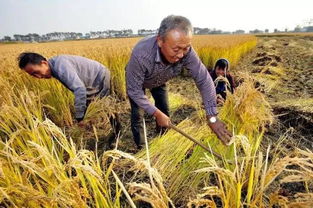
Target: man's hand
column 81, row 124
column 219, row 128
column 220, row 101
column 162, row 119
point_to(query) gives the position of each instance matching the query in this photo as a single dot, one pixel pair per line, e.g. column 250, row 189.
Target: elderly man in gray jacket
column 86, row 78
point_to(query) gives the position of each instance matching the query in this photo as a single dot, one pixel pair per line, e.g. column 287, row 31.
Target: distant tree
column 7, row 38
column 17, row 37
column 297, row 28
column 256, row 31
column 204, row 31
column 239, row 32
column 309, row 29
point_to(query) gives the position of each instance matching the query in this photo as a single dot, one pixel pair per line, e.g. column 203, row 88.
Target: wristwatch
column 212, row 119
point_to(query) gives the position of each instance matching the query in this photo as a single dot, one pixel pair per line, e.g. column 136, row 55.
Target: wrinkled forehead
column 178, row 38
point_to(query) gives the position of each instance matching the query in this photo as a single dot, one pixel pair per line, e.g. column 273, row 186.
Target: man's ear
column 44, row 62
column 160, row 41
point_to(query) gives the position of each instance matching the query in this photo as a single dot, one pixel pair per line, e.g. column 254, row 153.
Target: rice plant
column 43, row 163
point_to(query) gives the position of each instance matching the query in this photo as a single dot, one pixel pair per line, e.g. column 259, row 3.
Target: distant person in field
column 222, row 79
column 157, row 59
column 86, row 78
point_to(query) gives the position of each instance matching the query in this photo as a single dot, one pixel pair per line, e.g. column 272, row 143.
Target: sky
column 44, row 16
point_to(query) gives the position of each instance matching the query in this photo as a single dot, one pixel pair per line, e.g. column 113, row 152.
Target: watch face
column 213, row 119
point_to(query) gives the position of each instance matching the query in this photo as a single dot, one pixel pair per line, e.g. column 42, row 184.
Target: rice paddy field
column 47, row 160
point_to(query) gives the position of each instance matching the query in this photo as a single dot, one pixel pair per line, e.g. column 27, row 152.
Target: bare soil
column 294, row 55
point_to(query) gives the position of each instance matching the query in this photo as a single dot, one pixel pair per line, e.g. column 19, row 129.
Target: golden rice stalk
column 135, row 172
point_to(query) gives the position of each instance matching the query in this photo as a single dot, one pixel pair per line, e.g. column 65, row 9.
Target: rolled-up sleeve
column 203, row 81
column 135, row 75
column 68, row 76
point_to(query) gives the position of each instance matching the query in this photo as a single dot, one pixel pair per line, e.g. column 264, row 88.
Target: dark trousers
column 160, row 97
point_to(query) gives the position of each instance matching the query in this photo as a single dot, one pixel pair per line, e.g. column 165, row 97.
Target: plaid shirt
column 146, row 69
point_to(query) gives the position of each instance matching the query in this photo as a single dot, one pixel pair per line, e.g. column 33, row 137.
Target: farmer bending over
column 157, row 59
column 84, row 77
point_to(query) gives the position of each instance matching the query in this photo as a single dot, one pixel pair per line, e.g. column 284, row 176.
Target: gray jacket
column 84, row 77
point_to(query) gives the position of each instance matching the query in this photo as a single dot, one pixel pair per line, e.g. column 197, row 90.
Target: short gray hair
column 172, row 22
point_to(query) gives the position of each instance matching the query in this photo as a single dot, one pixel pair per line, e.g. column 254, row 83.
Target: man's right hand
column 162, row 119
column 219, row 128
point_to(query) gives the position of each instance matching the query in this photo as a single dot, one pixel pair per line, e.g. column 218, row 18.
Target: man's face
column 41, row 70
column 220, row 71
column 175, row 45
